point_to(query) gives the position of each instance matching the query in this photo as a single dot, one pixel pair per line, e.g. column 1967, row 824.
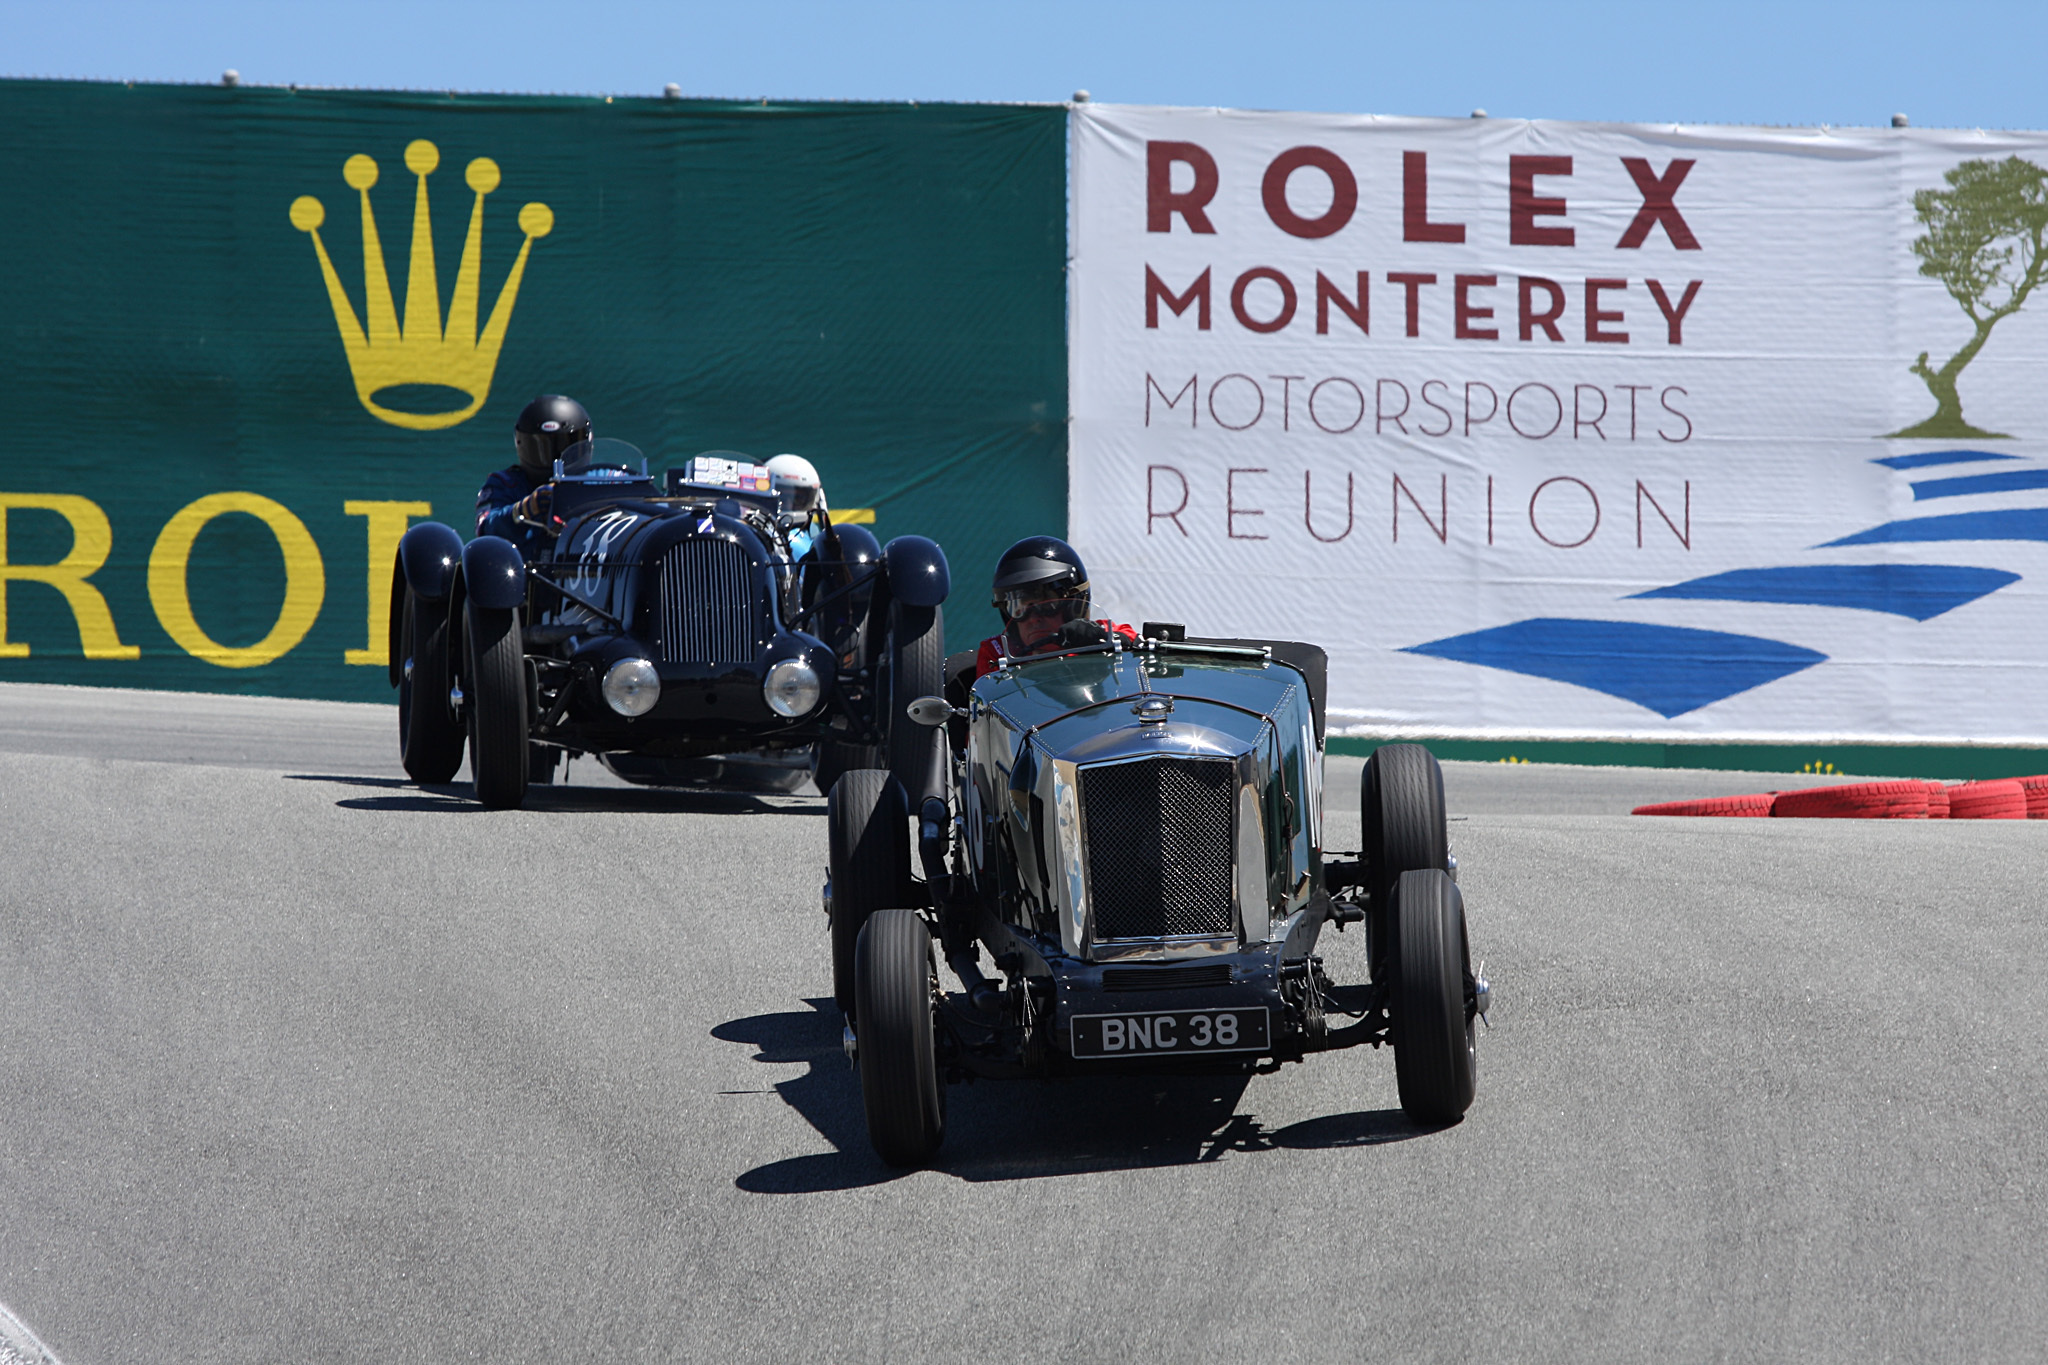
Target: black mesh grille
column 1160, row 837
column 707, row 607
column 1165, row 978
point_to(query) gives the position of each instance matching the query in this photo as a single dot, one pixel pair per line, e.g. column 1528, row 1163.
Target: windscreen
column 601, row 458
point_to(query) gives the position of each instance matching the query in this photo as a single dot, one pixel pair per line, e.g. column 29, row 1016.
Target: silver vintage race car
column 1133, row 835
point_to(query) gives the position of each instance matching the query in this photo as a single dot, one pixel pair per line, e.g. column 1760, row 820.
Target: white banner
column 1575, row 430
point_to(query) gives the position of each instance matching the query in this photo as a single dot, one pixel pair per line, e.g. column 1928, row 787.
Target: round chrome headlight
column 631, row 687
column 792, row 688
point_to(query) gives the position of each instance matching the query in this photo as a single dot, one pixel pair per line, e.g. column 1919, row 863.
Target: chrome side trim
column 1068, row 871
column 1254, row 910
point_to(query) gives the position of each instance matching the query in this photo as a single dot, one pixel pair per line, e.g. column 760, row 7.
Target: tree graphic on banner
column 1984, row 243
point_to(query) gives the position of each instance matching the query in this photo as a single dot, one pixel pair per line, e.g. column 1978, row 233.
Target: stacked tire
column 2019, row 798
column 2005, row 800
column 2036, row 789
column 1904, row 800
column 1741, row 807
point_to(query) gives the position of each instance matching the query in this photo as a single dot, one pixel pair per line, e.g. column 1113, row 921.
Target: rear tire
column 1401, row 804
column 496, row 675
column 868, row 837
column 429, row 737
column 917, row 668
column 900, row 1086
column 1435, row 1054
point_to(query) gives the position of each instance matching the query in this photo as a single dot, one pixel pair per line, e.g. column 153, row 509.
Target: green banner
column 257, row 332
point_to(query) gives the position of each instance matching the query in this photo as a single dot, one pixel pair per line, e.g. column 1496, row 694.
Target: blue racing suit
column 495, row 501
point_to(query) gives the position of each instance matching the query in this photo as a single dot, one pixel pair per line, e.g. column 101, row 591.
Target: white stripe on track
column 20, row 1346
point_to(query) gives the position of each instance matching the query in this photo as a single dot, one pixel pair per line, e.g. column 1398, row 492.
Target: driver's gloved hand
column 537, row 505
column 1080, row 633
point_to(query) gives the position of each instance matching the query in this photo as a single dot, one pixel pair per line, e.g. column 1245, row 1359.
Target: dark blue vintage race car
column 692, row 633
column 1133, row 837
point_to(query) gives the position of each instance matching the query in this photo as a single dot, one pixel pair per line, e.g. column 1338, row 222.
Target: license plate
column 1164, row 1033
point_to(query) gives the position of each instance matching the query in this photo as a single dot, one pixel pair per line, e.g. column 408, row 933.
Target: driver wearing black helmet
column 518, row 502
column 1040, row 586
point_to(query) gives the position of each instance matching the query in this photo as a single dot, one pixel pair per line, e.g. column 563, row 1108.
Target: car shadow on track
column 1020, row 1130
column 459, row 798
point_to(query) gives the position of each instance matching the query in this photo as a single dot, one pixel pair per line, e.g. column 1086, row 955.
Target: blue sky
column 1965, row 65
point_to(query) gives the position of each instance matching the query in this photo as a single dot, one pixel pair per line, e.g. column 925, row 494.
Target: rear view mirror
column 932, row 711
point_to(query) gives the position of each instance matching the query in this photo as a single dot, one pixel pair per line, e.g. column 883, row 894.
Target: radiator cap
column 1153, row 710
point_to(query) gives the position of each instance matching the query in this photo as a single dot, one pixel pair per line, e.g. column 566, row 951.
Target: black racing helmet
column 547, row 426
column 1040, row 576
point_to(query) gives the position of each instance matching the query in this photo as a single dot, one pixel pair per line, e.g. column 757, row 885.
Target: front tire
column 868, row 838
column 917, row 668
column 835, row 759
column 429, row 736
column 498, row 753
column 1401, row 805
column 900, row 1086
column 1436, row 1058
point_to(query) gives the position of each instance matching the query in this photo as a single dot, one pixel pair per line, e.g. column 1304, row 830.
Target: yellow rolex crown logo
column 383, row 356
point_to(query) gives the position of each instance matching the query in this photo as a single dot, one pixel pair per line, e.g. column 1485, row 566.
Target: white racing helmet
column 796, row 480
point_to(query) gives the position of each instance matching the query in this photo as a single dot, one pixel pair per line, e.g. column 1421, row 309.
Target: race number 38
column 1121, row 1035
column 1141, row 1034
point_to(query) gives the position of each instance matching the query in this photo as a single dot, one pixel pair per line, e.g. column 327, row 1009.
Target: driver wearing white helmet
column 795, row 480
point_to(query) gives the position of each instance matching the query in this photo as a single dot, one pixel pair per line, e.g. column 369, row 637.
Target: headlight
column 631, row 687
column 792, row 688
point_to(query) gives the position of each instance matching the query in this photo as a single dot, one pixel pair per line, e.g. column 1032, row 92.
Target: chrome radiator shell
column 1160, row 844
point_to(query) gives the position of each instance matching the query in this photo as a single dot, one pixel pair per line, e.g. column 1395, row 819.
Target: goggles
column 1061, row 603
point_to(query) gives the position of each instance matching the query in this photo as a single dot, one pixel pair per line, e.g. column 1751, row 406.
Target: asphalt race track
column 301, row 1063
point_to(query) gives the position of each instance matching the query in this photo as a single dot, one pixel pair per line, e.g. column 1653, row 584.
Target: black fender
column 860, row 565
column 493, row 573
column 917, row 573
column 851, row 560
column 428, row 554
column 857, row 544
